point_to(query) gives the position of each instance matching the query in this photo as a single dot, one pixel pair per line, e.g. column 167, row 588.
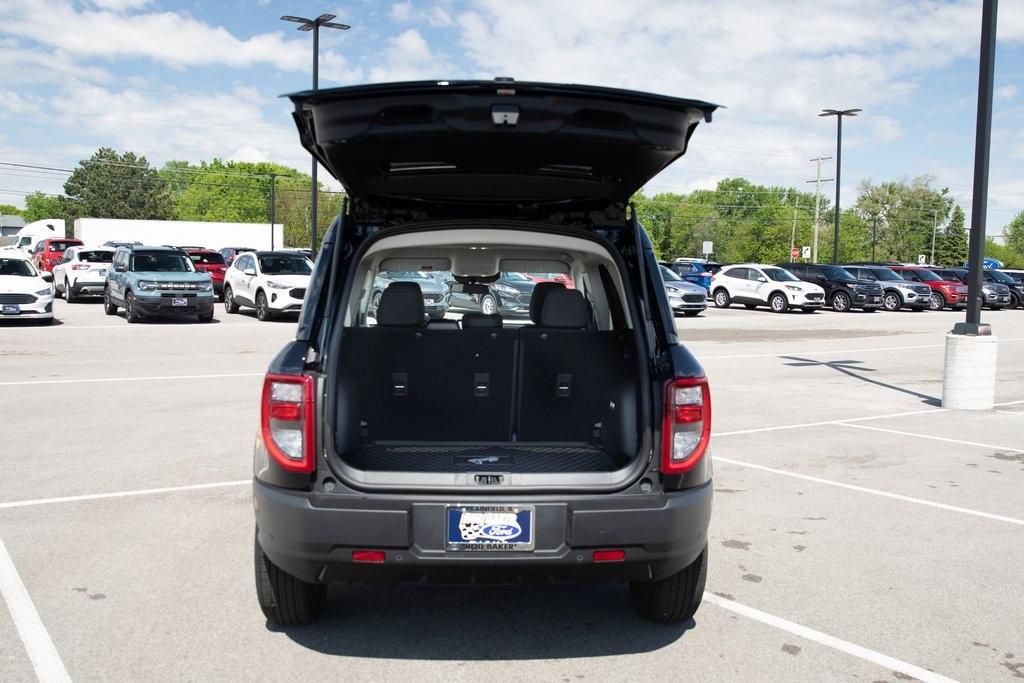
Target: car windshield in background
column 999, row 276
column 836, row 273
column 514, row 277
column 669, row 275
column 926, row 275
column 780, row 275
column 160, row 262
column 15, row 266
column 61, row 246
column 285, row 265
column 885, row 274
column 98, row 256
column 207, row 258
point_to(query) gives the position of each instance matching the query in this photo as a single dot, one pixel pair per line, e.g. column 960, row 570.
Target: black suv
column 843, row 291
column 573, row 448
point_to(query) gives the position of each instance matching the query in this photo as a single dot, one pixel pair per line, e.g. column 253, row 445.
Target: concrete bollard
column 969, row 380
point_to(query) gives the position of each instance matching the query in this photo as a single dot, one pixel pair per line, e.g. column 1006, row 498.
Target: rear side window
column 738, row 273
column 207, row 257
column 60, row 246
column 96, row 256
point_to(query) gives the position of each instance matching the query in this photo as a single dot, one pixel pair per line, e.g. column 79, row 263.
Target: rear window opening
column 508, row 361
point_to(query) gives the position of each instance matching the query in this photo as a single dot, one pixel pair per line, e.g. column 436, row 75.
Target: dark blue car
column 697, row 272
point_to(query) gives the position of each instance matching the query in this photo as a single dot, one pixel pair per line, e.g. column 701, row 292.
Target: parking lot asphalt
column 860, row 532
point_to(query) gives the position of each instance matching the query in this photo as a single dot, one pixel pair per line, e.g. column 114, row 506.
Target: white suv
column 82, row 272
column 272, row 282
column 755, row 284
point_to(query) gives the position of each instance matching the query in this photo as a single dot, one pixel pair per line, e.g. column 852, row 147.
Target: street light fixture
column 839, row 114
column 314, row 26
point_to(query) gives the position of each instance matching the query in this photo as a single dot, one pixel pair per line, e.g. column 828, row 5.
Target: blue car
column 156, row 281
column 696, row 272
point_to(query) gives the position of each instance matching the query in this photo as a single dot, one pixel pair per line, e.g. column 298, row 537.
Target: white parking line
column 884, row 661
column 41, row 650
column 790, row 352
column 874, row 492
column 121, row 494
column 933, row 438
column 177, row 326
column 800, row 425
column 154, row 378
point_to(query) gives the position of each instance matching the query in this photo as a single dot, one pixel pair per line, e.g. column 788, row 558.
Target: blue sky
column 194, row 80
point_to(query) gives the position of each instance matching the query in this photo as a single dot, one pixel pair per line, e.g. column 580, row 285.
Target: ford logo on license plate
column 489, row 527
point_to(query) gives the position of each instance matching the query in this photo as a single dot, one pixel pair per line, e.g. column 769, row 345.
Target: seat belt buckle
column 482, row 384
column 563, row 385
column 399, row 384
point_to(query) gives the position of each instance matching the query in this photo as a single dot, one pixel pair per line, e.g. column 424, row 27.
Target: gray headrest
column 401, row 305
column 565, row 308
column 540, row 293
column 472, row 321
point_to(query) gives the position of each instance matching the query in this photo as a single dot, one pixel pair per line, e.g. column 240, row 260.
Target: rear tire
column 777, row 302
column 109, row 307
column 674, row 598
column 230, row 305
column 69, row 296
column 722, row 298
column 284, row 599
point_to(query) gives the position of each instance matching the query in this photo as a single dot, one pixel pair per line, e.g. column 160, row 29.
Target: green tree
column 9, row 210
column 951, row 244
column 40, row 205
column 907, row 213
column 1009, row 257
column 1013, row 233
column 112, row 185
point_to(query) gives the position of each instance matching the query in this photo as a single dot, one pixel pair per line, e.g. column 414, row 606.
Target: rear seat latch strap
column 400, row 383
column 482, row 384
column 563, row 385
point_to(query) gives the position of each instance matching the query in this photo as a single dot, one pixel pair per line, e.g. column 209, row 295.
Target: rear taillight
column 286, row 420
column 686, row 426
column 705, row 274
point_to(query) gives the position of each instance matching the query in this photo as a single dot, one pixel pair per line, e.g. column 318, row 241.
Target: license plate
column 876, row 299
column 11, row 309
column 179, row 302
column 101, row 273
column 489, row 527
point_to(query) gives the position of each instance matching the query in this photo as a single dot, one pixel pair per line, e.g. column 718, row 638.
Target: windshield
column 885, row 274
column 668, row 275
column 97, row 256
column 16, row 266
column 1000, row 276
column 405, row 275
column 926, row 275
column 161, row 262
column 515, row 277
column 285, row 265
column 61, row 246
column 207, row 258
column 837, row 273
column 780, row 275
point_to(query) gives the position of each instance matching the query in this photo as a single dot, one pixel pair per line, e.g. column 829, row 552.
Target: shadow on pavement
column 848, row 368
column 516, row 622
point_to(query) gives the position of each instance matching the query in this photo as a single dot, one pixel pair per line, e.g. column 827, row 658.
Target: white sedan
column 25, row 293
column 272, row 282
column 82, row 272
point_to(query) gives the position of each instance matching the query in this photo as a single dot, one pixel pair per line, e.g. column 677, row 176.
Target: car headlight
column 960, row 290
column 505, row 289
column 148, row 285
column 44, row 292
column 204, row 286
column 793, row 288
column 276, row 285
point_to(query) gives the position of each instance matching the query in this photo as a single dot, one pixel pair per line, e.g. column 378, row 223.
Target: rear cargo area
column 553, row 398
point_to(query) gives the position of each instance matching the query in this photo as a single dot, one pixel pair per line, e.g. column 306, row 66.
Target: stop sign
column 794, row 252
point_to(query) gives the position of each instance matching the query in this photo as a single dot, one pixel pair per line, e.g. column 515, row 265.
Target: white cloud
column 401, row 11
column 120, row 5
column 408, row 57
column 1007, row 92
column 885, row 129
column 439, row 17
column 175, row 39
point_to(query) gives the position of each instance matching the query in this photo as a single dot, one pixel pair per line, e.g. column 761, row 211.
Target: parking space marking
column 884, row 661
column 823, row 423
column 874, row 492
column 834, row 351
column 96, row 380
column 41, row 651
column 121, row 494
column 933, row 438
column 177, row 326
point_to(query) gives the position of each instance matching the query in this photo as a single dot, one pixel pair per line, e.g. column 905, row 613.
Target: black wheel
column 131, row 308
column 892, row 301
column 841, row 302
column 230, row 305
column 262, row 307
column 488, row 306
column 750, row 307
column 674, row 598
column 109, row 307
column 691, row 314
column 69, row 295
column 375, row 302
column 937, row 302
column 206, row 317
column 722, row 298
column 284, row 599
column 778, row 302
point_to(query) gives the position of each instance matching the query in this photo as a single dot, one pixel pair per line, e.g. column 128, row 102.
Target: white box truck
column 35, row 231
column 96, row 231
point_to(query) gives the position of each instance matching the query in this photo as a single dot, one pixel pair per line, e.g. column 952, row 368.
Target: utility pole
column 935, row 226
column 273, row 208
column 818, row 180
column 792, row 233
column 874, row 236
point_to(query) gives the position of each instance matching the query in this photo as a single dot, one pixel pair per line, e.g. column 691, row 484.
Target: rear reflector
column 368, row 556
column 286, row 421
column 617, row 555
column 686, row 427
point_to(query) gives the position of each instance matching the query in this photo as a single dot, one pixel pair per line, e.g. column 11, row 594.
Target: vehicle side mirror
column 251, row 272
column 48, row 277
column 762, row 279
column 119, row 268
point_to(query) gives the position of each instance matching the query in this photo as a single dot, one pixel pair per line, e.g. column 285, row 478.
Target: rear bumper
column 312, row 536
column 88, row 288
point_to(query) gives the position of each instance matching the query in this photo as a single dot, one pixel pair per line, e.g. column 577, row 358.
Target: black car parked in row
column 997, row 289
column 843, row 291
column 570, row 449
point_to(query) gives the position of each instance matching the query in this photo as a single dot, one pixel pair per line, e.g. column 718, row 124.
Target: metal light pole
column 839, row 114
column 314, row 26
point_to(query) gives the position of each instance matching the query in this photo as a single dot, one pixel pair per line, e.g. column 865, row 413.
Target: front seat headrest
column 401, row 305
column 567, row 309
column 472, row 321
column 540, row 293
